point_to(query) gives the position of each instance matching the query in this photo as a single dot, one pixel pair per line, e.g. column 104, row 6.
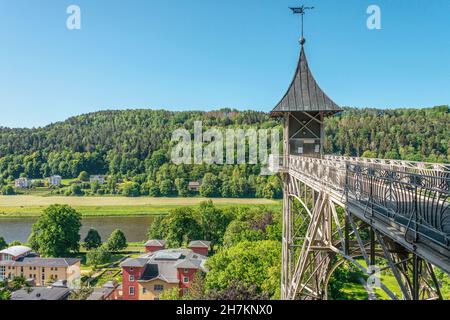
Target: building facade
column 19, row 261
column 97, row 178
column 22, row 183
column 54, row 181
column 194, row 186
column 146, row 277
column 154, row 245
column 200, row 246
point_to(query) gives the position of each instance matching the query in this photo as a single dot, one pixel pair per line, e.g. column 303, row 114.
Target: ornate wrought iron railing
column 415, row 197
column 419, row 203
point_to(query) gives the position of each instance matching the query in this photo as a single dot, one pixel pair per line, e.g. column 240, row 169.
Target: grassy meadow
column 32, row 205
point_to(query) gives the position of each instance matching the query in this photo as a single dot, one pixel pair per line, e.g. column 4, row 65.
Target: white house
column 97, row 178
column 22, row 183
column 54, row 181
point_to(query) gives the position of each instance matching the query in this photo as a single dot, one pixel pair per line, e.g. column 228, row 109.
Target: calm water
column 135, row 228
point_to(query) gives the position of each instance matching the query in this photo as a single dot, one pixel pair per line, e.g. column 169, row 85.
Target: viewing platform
column 408, row 201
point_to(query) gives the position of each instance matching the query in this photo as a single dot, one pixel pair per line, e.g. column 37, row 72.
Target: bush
column 255, row 265
column 75, row 190
column 98, row 256
column 170, row 294
column 166, row 188
column 116, row 241
column 83, row 176
column 14, row 243
column 209, row 187
column 131, row 189
column 92, row 240
column 3, row 243
column 8, row 191
column 153, row 189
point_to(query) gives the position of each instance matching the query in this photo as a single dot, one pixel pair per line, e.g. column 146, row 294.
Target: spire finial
column 301, row 10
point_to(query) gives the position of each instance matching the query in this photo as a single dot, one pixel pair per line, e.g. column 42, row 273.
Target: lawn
column 32, row 205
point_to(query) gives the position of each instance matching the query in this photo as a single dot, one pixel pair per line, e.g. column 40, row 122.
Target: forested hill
column 138, row 132
column 407, row 134
column 134, row 144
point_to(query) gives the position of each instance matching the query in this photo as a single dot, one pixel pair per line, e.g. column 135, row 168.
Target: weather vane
column 301, row 10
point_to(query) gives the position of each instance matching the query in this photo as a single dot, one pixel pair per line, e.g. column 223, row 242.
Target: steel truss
column 320, row 234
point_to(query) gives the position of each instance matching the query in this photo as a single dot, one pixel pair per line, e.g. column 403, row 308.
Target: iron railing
column 412, row 196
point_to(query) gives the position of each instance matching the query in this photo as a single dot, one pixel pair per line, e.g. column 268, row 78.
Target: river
column 135, row 228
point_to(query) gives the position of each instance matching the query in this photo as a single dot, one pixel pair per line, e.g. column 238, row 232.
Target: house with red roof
column 147, row 276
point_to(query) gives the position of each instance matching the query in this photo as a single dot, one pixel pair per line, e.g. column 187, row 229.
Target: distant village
column 54, row 181
column 88, row 184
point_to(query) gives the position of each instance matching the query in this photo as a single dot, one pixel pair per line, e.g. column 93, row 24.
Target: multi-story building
column 22, row 183
column 20, row 261
column 97, row 178
column 146, row 277
column 54, row 181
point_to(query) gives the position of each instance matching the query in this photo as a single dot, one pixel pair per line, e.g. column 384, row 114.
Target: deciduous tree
column 3, row 243
column 116, row 241
column 249, row 263
column 57, row 231
column 92, row 239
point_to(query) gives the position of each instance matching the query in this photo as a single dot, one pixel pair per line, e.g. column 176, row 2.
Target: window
column 158, row 287
column 131, row 269
column 131, row 291
column 144, row 290
column 186, row 270
column 2, row 271
column 185, row 280
column 131, row 278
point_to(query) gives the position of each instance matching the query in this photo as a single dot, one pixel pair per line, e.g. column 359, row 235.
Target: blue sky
column 208, row 54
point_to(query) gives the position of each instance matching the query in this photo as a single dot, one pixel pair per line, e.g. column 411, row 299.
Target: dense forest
column 133, row 148
column 407, row 134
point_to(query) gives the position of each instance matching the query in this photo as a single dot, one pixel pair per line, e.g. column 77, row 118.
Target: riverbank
column 32, row 206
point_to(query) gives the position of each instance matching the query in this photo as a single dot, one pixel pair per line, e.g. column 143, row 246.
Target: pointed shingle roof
column 304, row 94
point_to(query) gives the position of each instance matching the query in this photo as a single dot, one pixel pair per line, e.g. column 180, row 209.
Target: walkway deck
column 407, row 201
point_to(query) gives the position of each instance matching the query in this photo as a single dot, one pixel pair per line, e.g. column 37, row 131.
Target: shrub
column 98, row 256
column 8, row 191
column 92, row 240
column 116, row 241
